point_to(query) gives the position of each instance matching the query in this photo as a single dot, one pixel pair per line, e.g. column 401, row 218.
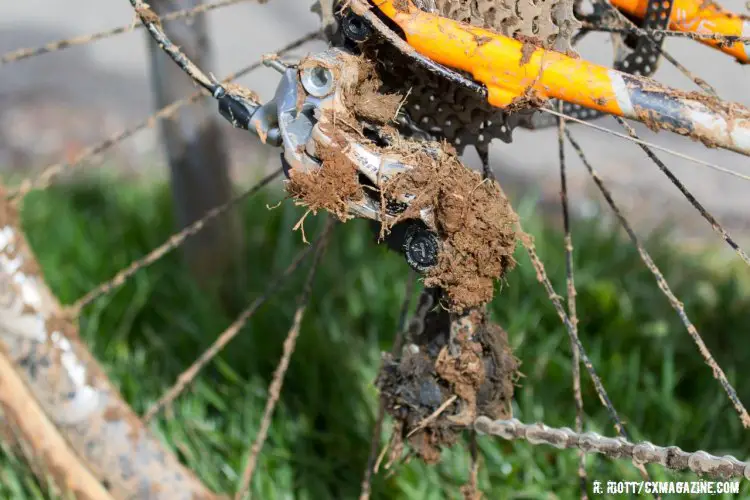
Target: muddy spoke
column 225, row 337
column 277, row 382
column 471, row 489
column 651, row 145
column 728, row 39
column 541, row 275
column 167, row 112
column 172, row 243
column 715, row 225
column 718, row 373
column 377, row 428
column 571, row 289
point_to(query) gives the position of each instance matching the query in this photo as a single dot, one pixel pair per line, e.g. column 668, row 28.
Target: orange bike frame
column 514, row 71
column 702, row 17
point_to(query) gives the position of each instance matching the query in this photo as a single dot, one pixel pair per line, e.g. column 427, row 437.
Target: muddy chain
column 671, row 457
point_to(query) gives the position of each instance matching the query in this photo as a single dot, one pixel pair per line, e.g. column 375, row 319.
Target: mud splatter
column 241, row 91
column 333, row 186
column 526, row 51
column 148, row 15
column 479, row 369
column 531, row 99
column 530, row 44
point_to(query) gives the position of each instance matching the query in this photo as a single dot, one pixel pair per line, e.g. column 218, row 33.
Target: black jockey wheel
column 420, row 247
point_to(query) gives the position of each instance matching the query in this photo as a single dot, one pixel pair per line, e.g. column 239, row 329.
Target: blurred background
column 120, row 206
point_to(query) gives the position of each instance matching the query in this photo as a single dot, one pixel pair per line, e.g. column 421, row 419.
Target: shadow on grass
column 151, row 329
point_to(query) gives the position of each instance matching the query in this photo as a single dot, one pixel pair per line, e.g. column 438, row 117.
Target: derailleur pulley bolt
column 420, row 248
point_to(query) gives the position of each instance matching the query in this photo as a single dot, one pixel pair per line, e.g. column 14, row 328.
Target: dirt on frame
column 472, row 216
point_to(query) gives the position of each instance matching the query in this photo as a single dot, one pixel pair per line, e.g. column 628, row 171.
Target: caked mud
column 475, row 222
column 472, row 217
column 450, row 371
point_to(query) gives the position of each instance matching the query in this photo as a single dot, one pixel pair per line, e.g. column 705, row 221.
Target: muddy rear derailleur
column 297, row 120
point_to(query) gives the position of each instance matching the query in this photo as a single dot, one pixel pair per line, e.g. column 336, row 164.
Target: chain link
column 671, row 457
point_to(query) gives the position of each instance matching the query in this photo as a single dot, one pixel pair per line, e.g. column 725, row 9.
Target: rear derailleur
column 297, row 119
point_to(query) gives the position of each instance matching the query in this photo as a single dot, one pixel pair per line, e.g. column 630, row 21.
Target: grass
column 148, row 331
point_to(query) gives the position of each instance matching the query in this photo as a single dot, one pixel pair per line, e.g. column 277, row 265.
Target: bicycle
column 338, row 113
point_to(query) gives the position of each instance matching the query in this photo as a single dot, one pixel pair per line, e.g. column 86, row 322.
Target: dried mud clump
column 439, row 386
column 530, row 99
column 475, row 222
column 366, row 100
column 330, row 187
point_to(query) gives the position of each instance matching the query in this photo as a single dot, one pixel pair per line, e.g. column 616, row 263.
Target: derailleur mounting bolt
column 317, row 81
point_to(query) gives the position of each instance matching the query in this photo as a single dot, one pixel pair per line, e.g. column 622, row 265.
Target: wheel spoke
column 274, row 390
column 718, row 373
column 715, row 225
column 167, row 112
column 225, row 337
column 672, row 152
column 26, row 53
column 541, row 275
column 571, row 289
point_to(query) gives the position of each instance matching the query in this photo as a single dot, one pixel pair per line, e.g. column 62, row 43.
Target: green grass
column 149, row 330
